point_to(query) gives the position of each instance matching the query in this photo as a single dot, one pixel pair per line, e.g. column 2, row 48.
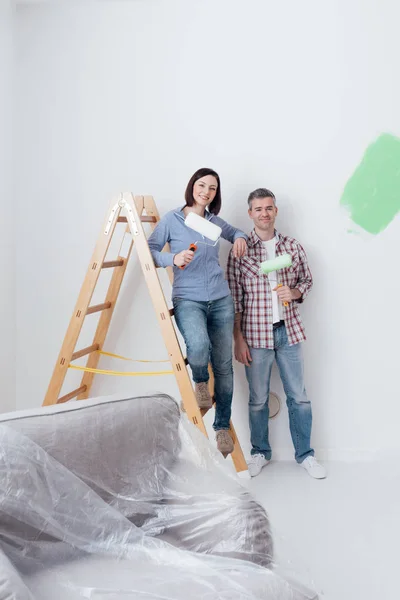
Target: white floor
column 340, row 535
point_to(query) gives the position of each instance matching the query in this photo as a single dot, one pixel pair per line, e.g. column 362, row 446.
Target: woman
column 203, row 305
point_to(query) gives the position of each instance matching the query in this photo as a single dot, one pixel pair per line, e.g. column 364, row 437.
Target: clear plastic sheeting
column 124, row 499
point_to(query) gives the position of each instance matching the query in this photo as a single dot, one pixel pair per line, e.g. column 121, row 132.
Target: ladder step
column 85, row 351
column 98, row 308
column 112, row 263
column 71, row 395
column 143, row 218
column 203, row 411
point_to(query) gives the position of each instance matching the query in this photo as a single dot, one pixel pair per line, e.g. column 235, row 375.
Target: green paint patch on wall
column 372, row 194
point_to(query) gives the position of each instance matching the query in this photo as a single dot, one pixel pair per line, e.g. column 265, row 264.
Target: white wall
column 136, row 96
column 7, row 211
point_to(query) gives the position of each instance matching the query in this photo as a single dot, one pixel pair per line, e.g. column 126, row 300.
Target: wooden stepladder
column 132, row 209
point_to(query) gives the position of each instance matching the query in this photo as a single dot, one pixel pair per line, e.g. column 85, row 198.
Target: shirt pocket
column 250, row 273
column 250, row 268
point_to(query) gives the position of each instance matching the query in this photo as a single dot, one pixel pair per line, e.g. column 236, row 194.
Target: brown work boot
column 224, row 442
column 202, row 394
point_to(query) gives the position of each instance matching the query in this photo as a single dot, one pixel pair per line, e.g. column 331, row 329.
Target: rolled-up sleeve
column 157, row 240
column 234, row 281
column 305, row 280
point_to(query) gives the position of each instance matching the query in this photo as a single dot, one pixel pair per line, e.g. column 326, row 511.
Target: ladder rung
column 204, row 411
column 98, row 308
column 85, row 351
column 71, row 395
column 112, row 263
column 143, row 218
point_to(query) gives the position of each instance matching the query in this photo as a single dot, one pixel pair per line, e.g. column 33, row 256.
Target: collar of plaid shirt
column 252, row 296
column 254, row 239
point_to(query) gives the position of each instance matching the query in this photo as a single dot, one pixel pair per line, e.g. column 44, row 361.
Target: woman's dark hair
column 215, row 205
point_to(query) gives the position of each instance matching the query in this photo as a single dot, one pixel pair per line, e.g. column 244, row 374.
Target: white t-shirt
column 273, row 282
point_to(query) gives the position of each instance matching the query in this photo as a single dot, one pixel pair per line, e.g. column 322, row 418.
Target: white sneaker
column 313, row 468
column 256, row 463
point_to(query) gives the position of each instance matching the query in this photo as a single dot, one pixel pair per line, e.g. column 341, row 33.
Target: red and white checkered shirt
column 251, row 292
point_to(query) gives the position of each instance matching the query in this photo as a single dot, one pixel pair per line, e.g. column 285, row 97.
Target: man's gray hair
column 260, row 193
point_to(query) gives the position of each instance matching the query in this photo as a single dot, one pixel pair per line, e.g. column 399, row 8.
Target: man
column 268, row 327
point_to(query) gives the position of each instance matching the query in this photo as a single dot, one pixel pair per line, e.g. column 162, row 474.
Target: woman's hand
column 239, row 248
column 183, row 258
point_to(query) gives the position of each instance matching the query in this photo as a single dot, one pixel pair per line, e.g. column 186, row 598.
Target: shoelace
column 256, row 458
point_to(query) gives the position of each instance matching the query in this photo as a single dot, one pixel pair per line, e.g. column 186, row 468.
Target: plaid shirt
column 251, row 292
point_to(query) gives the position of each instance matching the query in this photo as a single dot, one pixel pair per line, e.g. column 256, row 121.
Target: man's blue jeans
column 207, row 328
column 290, row 364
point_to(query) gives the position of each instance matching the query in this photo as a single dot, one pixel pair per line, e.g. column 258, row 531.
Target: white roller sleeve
column 202, row 226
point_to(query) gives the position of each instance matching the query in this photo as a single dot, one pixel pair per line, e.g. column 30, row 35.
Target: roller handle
column 192, row 248
column 285, row 303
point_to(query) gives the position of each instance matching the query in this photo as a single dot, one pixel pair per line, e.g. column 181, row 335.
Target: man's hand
column 242, row 352
column 183, row 258
column 239, row 248
column 287, row 294
column 284, row 293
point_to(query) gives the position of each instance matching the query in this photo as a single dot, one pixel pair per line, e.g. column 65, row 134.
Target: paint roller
column 274, row 264
column 205, row 228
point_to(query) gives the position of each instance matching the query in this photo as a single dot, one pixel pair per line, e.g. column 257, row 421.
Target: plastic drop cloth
column 124, row 499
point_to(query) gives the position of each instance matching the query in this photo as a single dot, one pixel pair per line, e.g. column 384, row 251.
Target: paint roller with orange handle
column 205, row 228
column 274, row 264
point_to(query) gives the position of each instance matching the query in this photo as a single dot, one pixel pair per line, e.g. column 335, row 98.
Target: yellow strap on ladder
column 130, row 359
column 121, row 373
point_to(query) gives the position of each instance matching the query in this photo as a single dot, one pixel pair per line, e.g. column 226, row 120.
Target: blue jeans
column 207, row 328
column 290, row 364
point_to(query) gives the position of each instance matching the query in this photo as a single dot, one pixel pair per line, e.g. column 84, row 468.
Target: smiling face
column 263, row 214
column 204, row 190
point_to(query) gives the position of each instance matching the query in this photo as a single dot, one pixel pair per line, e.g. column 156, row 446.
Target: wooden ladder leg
column 81, row 308
column 237, row 455
column 106, row 316
column 111, row 297
column 163, row 315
